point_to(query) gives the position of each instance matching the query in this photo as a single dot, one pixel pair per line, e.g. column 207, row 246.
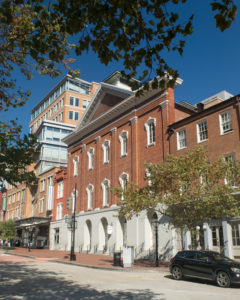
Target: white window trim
column 198, row 132
column 123, row 136
column 60, row 190
column 90, row 154
column 178, row 139
column 90, row 189
column 41, row 208
column 75, row 165
column 104, row 184
column 221, row 123
column 147, row 128
column 105, row 147
column 59, row 210
column 122, row 180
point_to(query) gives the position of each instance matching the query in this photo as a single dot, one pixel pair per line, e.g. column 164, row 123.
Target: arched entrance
column 103, row 235
column 88, row 236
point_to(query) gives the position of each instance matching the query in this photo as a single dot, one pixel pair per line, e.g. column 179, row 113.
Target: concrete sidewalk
column 86, row 260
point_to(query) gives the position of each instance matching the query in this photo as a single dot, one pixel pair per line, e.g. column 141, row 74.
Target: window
column 61, row 102
column 50, row 112
column 90, row 189
column 90, row 154
column 76, row 116
column 43, row 185
column 105, row 188
column 105, row 147
column 217, row 236
column 150, row 126
column 61, row 117
column 123, row 180
column 56, row 236
column 85, row 103
column 123, row 137
column 225, row 122
column 70, row 115
column 45, row 116
column 74, row 101
column 18, row 196
column 60, row 189
column 73, row 115
column 13, row 198
column 235, row 235
column 181, row 139
column 56, row 107
column 229, row 179
column 202, row 131
column 41, row 205
column 9, row 199
column 59, row 211
column 75, row 166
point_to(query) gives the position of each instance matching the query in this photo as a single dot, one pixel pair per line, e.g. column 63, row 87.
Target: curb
column 131, row 270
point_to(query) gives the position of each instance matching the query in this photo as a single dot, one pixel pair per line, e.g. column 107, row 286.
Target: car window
column 190, row 255
column 202, row 256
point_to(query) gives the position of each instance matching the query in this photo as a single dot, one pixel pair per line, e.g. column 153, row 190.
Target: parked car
column 206, row 265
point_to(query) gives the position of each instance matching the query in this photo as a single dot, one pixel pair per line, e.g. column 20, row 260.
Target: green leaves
column 7, row 230
column 188, row 189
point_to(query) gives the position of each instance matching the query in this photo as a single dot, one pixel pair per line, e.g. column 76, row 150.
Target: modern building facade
column 52, row 119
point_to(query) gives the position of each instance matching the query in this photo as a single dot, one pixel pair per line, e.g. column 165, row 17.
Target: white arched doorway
column 103, row 235
column 88, row 236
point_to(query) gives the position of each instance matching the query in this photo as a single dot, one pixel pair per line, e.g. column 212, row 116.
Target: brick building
column 215, row 125
column 118, row 133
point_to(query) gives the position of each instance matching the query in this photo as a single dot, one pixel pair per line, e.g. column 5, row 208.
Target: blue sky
column 210, row 63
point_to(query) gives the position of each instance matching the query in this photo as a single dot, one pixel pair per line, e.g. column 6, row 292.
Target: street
column 26, row 278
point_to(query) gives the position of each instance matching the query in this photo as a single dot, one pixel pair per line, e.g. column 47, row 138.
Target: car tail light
column 171, row 260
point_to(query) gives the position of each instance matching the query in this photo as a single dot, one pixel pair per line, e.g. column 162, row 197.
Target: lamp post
column 156, row 223
column 30, row 230
column 72, row 254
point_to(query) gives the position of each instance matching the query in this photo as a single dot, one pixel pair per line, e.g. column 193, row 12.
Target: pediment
column 104, row 100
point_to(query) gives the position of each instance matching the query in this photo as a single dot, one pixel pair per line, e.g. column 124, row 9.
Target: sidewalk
column 86, row 260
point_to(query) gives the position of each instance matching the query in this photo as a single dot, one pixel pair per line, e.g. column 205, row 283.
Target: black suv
column 207, row 265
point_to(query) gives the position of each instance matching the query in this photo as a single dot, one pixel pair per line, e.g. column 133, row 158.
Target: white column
column 174, row 241
column 227, row 237
column 187, row 241
column 207, row 237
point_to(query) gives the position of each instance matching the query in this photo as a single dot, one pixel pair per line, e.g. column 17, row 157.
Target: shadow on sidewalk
column 23, row 282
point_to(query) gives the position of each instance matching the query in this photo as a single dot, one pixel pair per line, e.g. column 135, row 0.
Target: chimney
column 200, row 107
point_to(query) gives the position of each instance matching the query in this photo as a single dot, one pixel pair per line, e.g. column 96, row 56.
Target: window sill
column 124, row 155
column 199, row 142
column 224, row 133
column 106, row 162
column 182, row 148
column 150, row 145
column 89, row 169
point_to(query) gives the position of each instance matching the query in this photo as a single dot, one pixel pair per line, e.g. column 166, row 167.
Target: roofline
column 206, row 111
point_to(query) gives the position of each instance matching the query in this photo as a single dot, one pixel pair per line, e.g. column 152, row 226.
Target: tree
column 36, row 36
column 7, row 230
column 189, row 189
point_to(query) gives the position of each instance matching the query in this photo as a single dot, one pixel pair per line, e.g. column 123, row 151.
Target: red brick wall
column 137, row 151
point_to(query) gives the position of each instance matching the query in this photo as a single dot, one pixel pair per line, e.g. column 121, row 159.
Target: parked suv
column 207, row 265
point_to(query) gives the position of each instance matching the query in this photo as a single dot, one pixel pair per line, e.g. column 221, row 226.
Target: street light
column 156, row 223
column 72, row 254
column 30, row 230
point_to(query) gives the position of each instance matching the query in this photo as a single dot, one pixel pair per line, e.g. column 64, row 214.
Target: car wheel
column 177, row 273
column 223, row 279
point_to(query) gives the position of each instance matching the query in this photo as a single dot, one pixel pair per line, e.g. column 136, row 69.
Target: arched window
column 90, row 189
column 150, row 126
column 123, row 137
column 105, row 147
column 123, row 180
column 75, row 165
column 90, row 154
column 105, row 188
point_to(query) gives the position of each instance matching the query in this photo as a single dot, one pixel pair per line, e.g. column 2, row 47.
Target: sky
column 210, row 63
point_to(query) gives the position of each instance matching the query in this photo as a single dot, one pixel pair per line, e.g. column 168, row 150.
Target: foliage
column 188, row 189
column 35, row 35
column 15, row 154
column 7, row 230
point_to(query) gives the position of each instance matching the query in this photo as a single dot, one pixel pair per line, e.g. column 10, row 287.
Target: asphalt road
column 22, row 278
